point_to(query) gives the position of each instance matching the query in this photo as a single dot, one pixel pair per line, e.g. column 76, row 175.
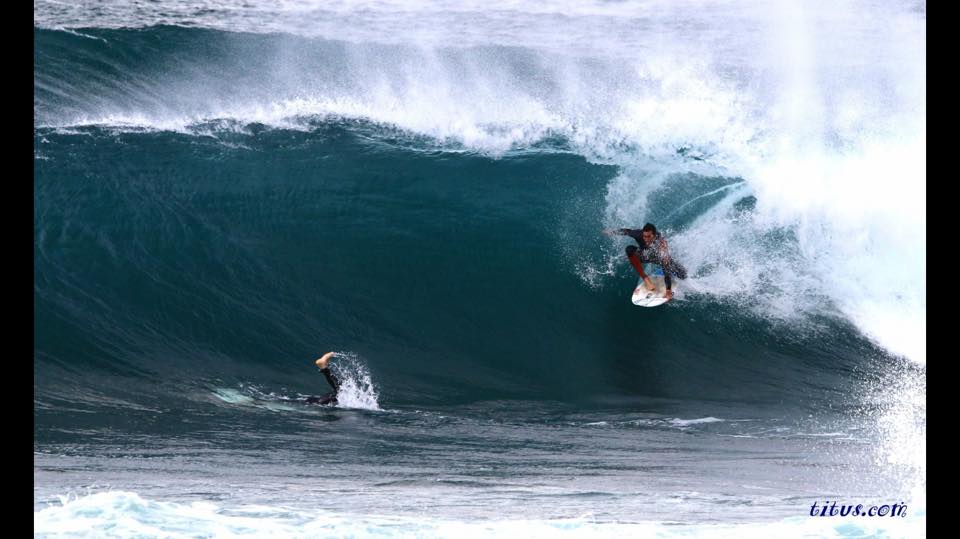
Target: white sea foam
column 356, row 386
column 687, row 422
column 126, row 514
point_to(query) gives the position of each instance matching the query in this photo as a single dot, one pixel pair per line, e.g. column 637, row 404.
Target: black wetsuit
column 329, row 398
column 651, row 254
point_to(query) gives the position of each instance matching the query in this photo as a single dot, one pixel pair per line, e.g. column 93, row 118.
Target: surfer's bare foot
column 669, row 295
column 322, row 362
column 650, row 285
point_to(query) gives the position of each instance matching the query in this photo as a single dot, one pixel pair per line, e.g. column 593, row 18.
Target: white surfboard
column 644, row 297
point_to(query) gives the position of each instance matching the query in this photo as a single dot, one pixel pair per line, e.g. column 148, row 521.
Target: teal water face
column 179, row 258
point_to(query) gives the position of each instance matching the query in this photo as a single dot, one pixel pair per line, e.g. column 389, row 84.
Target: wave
column 215, row 203
column 449, row 274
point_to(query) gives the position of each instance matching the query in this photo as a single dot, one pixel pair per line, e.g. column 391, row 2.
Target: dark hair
column 649, row 228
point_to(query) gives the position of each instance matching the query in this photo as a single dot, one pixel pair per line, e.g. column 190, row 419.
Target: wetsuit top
column 646, row 253
column 651, row 254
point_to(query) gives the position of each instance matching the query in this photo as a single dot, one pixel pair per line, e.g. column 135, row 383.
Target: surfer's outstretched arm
column 331, row 379
column 324, row 359
column 635, row 234
column 330, row 398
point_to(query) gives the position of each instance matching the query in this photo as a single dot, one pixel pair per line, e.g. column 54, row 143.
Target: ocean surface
column 224, row 191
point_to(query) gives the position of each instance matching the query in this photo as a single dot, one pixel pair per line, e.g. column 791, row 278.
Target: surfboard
column 650, row 298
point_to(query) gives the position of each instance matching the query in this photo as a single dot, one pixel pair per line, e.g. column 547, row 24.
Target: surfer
column 653, row 249
column 329, row 398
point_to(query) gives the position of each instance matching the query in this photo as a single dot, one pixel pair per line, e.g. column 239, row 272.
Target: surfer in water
column 329, row 398
column 653, row 249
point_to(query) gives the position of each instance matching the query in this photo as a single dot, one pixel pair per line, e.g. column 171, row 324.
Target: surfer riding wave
column 653, row 250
